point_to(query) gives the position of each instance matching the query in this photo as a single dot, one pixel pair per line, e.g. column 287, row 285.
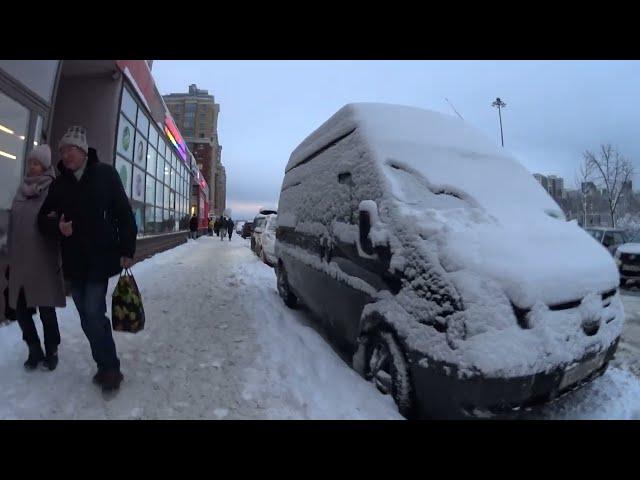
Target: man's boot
column 97, row 378
column 111, row 380
column 36, row 355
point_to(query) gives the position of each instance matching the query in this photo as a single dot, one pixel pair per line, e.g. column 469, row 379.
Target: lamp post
column 500, row 105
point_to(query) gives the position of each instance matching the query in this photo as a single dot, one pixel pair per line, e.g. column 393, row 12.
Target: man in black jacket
column 193, row 227
column 88, row 210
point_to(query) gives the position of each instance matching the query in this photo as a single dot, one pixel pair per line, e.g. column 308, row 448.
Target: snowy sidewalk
column 199, row 356
column 220, row 344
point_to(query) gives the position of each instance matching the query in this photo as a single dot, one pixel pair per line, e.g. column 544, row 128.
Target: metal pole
column 500, row 115
column 500, row 105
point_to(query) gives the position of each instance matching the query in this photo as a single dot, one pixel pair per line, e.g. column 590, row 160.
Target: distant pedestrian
column 35, row 278
column 222, row 227
column 230, row 225
column 193, row 227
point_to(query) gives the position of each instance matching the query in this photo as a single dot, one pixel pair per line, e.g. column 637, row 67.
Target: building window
column 201, row 135
column 37, row 75
column 14, row 120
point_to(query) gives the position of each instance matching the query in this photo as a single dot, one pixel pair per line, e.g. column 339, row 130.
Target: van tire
column 284, row 290
column 383, row 342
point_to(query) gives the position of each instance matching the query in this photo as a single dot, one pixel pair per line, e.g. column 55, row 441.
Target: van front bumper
column 439, row 394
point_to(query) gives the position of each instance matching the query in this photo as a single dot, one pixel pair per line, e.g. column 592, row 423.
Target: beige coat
column 34, row 260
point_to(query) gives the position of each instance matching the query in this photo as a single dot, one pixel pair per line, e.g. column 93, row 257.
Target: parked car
column 628, row 260
column 268, row 239
column 247, row 230
column 457, row 298
column 259, row 224
column 239, row 226
column 610, row 238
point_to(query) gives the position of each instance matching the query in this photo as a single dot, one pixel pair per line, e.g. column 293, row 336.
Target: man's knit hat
column 76, row 136
column 41, row 153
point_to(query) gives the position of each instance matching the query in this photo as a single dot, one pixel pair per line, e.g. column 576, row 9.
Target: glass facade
column 148, row 166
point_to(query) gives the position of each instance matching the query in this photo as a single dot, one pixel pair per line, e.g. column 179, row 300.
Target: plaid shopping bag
column 127, row 311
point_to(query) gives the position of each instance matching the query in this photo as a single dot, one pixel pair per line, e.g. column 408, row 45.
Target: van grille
column 521, row 313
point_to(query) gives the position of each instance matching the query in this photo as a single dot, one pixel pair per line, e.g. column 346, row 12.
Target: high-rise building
column 556, row 186
column 196, row 115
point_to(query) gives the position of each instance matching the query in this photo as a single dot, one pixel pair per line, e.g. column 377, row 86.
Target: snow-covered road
column 219, row 343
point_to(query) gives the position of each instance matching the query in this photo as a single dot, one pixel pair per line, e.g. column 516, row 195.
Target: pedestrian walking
column 230, row 226
column 193, row 227
column 87, row 209
column 35, row 272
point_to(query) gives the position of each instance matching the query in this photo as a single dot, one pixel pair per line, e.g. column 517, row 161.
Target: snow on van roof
column 445, row 151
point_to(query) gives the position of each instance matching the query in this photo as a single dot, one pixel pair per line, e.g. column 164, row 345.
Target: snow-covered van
column 438, row 262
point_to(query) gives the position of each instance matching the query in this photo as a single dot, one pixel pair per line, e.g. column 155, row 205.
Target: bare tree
column 584, row 175
column 610, row 171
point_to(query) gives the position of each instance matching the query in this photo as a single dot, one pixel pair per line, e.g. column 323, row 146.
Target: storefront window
column 37, row 133
column 138, row 213
column 149, row 219
column 138, row 188
column 143, row 123
column 140, row 152
column 126, row 135
column 160, row 168
column 152, row 155
column 150, row 191
column 37, row 75
column 153, row 136
column 159, row 193
column 167, row 173
column 124, row 169
column 14, row 120
column 128, row 105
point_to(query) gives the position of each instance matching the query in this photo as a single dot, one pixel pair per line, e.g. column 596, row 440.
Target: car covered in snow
column 259, row 223
column 268, row 240
column 610, row 238
column 457, row 297
column 628, row 260
column 239, row 226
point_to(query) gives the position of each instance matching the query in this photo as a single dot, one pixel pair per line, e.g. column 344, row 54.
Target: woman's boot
column 36, row 355
column 51, row 359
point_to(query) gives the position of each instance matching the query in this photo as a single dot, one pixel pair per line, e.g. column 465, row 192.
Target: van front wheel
column 386, row 367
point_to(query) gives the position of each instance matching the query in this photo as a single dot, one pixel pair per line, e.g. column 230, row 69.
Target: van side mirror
column 365, row 229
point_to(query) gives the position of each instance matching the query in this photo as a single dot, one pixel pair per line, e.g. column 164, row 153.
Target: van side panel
column 316, row 205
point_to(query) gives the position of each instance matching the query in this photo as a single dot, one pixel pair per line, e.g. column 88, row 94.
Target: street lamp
column 500, row 104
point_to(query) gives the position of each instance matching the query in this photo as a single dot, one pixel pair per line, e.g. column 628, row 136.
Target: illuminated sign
column 174, row 136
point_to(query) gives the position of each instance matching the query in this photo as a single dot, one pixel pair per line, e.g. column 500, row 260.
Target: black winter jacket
column 104, row 227
column 193, row 224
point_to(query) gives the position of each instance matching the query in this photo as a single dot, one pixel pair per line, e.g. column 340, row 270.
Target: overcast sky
column 555, row 109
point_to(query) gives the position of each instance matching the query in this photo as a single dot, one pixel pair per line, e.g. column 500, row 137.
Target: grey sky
column 555, row 109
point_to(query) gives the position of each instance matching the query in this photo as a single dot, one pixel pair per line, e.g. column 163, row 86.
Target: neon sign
column 174, row 136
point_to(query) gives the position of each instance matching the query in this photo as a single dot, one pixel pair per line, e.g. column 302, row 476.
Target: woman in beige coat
column 35, row 273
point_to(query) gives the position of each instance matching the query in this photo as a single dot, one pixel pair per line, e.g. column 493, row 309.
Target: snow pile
column 467, row 248
column 614, row 396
